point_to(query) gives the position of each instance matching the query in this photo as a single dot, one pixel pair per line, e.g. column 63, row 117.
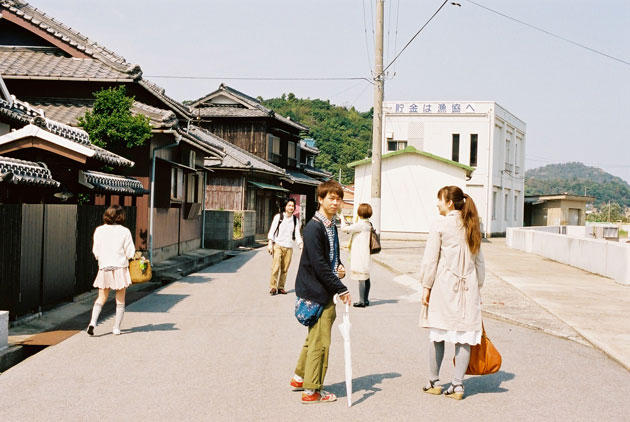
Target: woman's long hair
column 464, row 203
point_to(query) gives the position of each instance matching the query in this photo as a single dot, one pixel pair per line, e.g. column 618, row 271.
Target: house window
column 473, row 149
column 396, row 145
column 455, row 154
column 291, row 154
column 177, row 184
column 505, row 207
column 194, row 191
column 273, row 148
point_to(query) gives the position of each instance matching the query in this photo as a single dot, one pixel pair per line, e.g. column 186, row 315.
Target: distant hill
column 575, row 179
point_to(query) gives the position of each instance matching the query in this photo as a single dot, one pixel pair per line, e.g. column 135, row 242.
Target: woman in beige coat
column 452, row 272
column 360, row 260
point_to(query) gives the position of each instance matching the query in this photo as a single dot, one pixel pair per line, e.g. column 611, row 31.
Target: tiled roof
column 112, row 184
column 235, row 157
column 69, row 36
column 68, row 111
column 306, row 147
column 45, row 63
column 251, row 104
column 316, row 172
column 22, row 172
column 160, row 92
column 214, row 151
column 301, row 178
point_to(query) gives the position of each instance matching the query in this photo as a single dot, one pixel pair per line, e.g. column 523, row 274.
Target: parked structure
column 480, row 135
column 556, row 210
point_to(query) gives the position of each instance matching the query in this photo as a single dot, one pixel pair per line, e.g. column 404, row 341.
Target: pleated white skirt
column 452, row 336
column 114, row 279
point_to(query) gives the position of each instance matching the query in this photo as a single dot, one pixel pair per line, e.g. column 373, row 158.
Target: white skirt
column 115, row 279
column 451, row 336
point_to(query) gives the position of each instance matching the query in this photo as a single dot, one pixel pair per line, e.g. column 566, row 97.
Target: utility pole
column 377, row 119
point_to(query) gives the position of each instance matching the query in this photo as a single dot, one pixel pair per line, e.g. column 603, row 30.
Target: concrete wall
column 610, row 259
column 4, row 329
column 219, row 229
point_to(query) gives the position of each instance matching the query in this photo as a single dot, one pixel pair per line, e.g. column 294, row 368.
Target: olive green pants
column 313, row 361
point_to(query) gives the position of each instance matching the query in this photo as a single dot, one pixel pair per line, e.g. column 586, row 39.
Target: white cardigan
column 113, row 246
column 360, row 259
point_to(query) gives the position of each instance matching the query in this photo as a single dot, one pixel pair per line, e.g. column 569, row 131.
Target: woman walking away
column 360, row 259
column 113, row 248
column 452, row 273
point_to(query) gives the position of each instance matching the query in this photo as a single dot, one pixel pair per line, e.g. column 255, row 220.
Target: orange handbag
column 484, row 357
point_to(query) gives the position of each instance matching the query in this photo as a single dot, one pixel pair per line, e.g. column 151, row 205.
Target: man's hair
column 329, row 186
column 115, row 214
column 364, row 210
column 286, row 202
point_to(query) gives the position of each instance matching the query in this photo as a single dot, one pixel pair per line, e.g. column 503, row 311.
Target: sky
column 576, row 103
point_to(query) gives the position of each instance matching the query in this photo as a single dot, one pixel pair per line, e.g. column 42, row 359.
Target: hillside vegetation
column 578, row 179
column 342, row 135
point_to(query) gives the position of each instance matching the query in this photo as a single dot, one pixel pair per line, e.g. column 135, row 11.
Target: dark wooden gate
column 32, row 237
column 10, row 216
column 60, row 233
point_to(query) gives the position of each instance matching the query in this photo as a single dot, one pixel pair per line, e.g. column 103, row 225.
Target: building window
column 505, row 207
column 494, row 205
column 515, row 207
column 473, row 149
column 507, row 151
column 291, row 154
column 273, row 148
column 455, row 154
column 177, row 184
column 396, row 145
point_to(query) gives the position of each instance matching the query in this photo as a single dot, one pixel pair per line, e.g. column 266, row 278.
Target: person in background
column 318, row 280
column 113, row 248
column 452, row 272
column 360, row 259
column 283, row 234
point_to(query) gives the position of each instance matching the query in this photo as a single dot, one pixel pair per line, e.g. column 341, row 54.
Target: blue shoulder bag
column 307, row 312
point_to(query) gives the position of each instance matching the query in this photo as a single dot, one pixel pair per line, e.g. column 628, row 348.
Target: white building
column 482, row 135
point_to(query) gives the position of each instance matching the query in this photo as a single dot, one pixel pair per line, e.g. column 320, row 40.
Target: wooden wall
column 224, row 192
column 251, row 135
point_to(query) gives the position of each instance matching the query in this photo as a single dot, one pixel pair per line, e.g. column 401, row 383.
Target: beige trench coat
column 454, row 276
column 360, row 259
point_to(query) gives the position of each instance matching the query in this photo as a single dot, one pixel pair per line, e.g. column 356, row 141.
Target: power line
column 254, row 78
column 550, row 33
column 414, row 37
column 367, row 47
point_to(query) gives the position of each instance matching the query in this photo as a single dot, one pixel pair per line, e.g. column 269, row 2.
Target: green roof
column 269, row 187
column 412, row 150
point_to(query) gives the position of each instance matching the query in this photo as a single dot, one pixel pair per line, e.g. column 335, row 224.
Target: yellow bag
column 140, row 270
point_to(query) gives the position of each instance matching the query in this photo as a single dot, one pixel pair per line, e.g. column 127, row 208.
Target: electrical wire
column 413, row 38
column 252, row 78
column 550, row 33
column 367, row 46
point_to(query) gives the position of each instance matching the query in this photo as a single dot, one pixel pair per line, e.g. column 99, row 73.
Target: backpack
column 275, row 233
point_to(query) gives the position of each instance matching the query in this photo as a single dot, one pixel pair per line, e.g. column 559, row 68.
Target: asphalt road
column 215, row 346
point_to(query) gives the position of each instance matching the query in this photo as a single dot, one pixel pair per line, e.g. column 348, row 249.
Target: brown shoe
column 273, row 292
column 282, row 292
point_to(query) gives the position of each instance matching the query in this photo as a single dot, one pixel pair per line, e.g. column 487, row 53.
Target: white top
column 360, row 259
column 113, row 246
column 285, row 237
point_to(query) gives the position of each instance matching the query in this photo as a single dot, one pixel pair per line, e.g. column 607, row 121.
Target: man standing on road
column 318, row 280
column 284, row 233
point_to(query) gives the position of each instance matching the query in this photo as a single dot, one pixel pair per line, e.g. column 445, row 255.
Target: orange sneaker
column 320, row 396
column 297, row 385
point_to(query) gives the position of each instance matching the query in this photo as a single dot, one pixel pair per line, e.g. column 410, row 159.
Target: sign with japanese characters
column 409, row 107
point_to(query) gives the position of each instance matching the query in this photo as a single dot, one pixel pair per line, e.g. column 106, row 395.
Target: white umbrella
column 344, row 327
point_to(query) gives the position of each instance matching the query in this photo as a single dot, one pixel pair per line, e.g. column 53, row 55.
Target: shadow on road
column 487, row 383
column 195, row 279
column 167, row 326
column 382, row 302
column 160, row 302
column 365, row 383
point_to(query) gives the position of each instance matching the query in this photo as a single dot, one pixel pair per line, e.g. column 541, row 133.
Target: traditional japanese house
column 243, row 121
column 56, row 69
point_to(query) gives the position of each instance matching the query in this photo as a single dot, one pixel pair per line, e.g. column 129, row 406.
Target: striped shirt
column 333, row 241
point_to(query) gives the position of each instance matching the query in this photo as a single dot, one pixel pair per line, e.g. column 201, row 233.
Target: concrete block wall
column 219, row 229
column 610, row 259
column 4, row 330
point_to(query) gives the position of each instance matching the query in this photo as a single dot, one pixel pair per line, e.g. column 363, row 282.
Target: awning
column 179, row 165
column 269, row 187
column 111, row 183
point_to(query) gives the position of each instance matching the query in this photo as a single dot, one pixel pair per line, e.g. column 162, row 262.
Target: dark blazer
column 315, row 279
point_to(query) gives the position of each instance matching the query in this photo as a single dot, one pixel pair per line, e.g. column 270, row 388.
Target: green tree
column 110, row 123
column 608, row 213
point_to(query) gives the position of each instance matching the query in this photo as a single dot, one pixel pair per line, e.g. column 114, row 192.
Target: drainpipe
column 178, row 137
column 203, row 211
